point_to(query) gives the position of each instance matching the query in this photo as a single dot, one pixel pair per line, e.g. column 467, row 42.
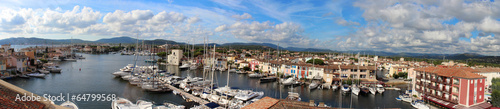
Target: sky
column 414, row 26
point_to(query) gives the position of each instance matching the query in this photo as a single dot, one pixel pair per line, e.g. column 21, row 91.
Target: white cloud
column 243, row 16
column 424, row 26
column 344, row 22
column 193, row 20
column 287, row 33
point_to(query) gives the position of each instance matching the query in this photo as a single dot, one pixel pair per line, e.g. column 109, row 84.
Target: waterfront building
column 451, row 87
column 3, row 65
column 21, row 62
column 175, row 57
column 254, row 64
column 489, row 73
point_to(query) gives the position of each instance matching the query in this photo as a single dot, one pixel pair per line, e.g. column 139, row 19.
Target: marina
column 95, row 77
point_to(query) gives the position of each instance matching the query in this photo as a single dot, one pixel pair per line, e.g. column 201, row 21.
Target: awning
column 440, row 102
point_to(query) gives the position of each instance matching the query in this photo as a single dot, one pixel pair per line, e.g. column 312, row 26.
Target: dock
column 188, row 95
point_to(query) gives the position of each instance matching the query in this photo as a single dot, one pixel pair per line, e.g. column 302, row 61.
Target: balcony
column 419, row 77
column 434, row 80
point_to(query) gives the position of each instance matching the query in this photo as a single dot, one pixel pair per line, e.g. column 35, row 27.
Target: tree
column 161, row 54
column 316, row 61
column 248, row 55
column 495, row 98
column 246, row 68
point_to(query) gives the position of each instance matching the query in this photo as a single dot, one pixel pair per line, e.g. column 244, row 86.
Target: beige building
column 175, row 57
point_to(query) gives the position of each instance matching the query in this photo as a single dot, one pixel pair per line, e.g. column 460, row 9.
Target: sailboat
column 355, row 89
column 372, row 90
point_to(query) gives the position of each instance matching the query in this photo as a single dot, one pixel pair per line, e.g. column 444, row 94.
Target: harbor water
column 93, row 76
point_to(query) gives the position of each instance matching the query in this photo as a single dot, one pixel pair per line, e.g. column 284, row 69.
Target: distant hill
column 39, row 41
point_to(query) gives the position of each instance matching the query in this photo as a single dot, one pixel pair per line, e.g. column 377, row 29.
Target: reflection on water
column 95, row 78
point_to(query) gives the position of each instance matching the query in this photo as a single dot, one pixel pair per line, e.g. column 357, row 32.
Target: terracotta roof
column 264, row 103
column 461, row 72
column 486, row 70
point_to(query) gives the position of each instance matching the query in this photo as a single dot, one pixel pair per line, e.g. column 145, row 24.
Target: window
column 456, row 81
column 455, row 89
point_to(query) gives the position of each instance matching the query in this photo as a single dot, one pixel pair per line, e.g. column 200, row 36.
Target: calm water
column 95, row 78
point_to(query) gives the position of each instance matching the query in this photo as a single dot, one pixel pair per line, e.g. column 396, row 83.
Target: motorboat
column 346, row 88
column 373, row 90
column 183, row 66
column 293, row 96
column 240, row 72
column 255, row 75
column 69, row 104
column 169, row 106
column 405, row 98
column 313, row 85
column 267, row 79
column 150, row 61
column 380, row 88
column 122, row 103
column 55, row 69
column 245, row 95
column 355, row 90
column 38, row 75
column 119, row 73
column 365, row 90
column 44, row 71
column 144, row 104
column 193, row 67
column 289, row 81
column 24, row 76
column 127, row 77
column 233, row 70
column 69, row 59
column 419, row 105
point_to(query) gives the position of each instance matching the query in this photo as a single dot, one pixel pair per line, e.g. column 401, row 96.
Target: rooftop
column 461, row 72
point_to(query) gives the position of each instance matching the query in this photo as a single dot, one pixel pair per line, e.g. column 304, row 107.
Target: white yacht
column 289, row 81
column 232, row 70
column 122, row 103
column 380, row 89
column 183, row 66
column 246, row 95
column 372, row 90
column 419, row 105
column 144, row 104
column 355, row 90
column 55, row 69
column 38, row 75
column 119, row 73
column 255, row 75
column 313, row 85
column 69, row 104
column 44, row 71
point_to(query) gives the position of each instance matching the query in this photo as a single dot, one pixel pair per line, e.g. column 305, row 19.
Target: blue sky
column 422, row 26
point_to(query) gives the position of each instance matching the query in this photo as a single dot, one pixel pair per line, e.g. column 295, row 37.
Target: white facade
column 489, row 76
column 175, row 57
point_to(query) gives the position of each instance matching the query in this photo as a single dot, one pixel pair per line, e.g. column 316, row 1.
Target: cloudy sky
column 418, row 26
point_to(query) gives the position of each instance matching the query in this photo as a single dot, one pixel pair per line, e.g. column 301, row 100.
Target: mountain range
column 263, row 46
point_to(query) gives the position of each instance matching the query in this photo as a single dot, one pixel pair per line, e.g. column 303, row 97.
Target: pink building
column 253, row 65
column 451, row 87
